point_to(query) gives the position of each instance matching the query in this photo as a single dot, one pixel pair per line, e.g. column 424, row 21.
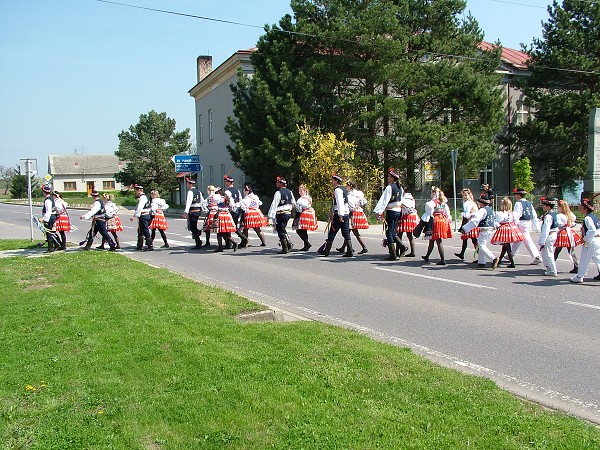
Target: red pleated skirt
column 473, row 234
column 308, row 220
column 359, row 221
column 159, row 222
column 507, row 233
column 441, row 228
column 223, row 223
column 114, row 224
column 62, row 223
column 209, row 220
column 408, row 222
column 254, row 218
column 567, row 238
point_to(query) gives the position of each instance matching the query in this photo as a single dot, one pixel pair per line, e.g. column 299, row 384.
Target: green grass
column 99, row 351
column 16, row 244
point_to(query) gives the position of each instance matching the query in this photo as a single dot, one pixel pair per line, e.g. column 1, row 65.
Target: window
column 522, row 112
column 212, row 176
column 210, row 125
column 485, row 175
column 70, row 186
column 200, row 131
column 108, row 185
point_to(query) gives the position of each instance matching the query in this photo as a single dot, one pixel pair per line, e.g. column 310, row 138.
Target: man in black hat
column 236, row 197
column 484, row 220
column 390, row 203
column 49, row 216
column 339, row 218
column 142, row 212
column 193, row 209
column 548, row 235
column 280, row 212
column 526, row 219
column 98, row 215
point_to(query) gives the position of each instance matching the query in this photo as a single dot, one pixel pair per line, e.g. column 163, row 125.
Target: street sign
column 48, row 177
column 186, row 163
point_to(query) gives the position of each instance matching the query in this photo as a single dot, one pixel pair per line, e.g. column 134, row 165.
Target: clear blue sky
column 75, row 73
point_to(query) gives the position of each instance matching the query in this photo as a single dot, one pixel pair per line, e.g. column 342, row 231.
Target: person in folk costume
column 339, row 215
column 358, row 219
column 209, row 205
column 113, row 222
column 469, row 208
column 548, row 235
column 49, row 217
column 62, row 223
column 236, row 197
column 391, row 202
column 142, row 213
column 507, row 233
column 98, row 215
column 280, row 212
column 484, row 220
column 193, row 210
column 158, row 207
column 566, row 237
column 223, row 223
column 527, row 221
column 408, row 221
column 590, row 249
column 253, row 216
column 306, row 218
column 437, row 208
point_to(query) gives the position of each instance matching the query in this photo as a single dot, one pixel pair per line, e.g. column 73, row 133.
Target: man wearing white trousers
column 525, row 218
column 591, row 241
column 548, row 235
column 484, row 219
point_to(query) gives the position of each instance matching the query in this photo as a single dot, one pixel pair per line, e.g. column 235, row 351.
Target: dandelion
column 29, row 388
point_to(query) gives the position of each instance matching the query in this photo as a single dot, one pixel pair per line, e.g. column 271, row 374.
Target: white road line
column 464, row 283
column 585, row 305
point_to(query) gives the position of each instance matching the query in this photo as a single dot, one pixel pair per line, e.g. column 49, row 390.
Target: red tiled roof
column 509, row 55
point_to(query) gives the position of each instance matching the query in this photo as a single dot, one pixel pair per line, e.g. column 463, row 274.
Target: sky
column 75, row 73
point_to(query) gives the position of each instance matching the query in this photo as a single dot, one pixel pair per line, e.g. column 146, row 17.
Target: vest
column 396, row 193
column 554, row 221
column 596, row 223
column 53, row 209
column 235, row 194
column 101, row 213
column 527, row 209
column 488, row 221
column 344, row 192
column 286, row 197
column 196, row 197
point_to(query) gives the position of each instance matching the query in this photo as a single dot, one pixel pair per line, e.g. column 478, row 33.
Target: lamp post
column 453, row 157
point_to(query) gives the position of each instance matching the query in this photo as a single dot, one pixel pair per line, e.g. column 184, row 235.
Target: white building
column 82, row 173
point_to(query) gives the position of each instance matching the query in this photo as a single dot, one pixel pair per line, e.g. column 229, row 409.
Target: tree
column 18, row 185
column 6, row 175
column 375, row 71
column 148, row 148
column 564, row 85
column 523, row 175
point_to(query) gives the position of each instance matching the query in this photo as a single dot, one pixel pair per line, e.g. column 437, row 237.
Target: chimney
column 204, row 66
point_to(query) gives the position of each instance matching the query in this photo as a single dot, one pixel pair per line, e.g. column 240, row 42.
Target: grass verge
column 103, row 352
column 16, row 244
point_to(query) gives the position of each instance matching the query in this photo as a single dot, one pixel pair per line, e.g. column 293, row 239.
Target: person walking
column 390, row 203
column 211, row 207
column 469, row 208
column 358, row 219
column 158, row 206
column 590, row 249
column 222, row 222
column 98, row 215
column 280, row 212
column 407, row 223
column 62, row 224
column 484, row 220
column 437, row 208
column 113, row 222
column 306, row 217
column 566, row 237
column 527, row 221
column 235, row 198
column 252, row 216
column 49, row 217
column 339, row 218
column 193, row 211
column 548, row 235
column 142, row 213
column 506, row 233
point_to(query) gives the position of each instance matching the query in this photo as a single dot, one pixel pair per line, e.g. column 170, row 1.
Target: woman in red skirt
column 113, row 223
column 469, row 209
column 253, row 216
column 567, row 237
column 306, row 218
column 358, row 219
column 158, row 206
column 62, row 224
column 211, row 206
column 222, row 222
column 408, row 221
column 437, row 209
column 507, row 233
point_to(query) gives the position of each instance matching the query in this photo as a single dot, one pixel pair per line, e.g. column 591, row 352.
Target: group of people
column 226, row 212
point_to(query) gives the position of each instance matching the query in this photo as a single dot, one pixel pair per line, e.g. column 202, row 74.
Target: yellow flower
column 29, row 388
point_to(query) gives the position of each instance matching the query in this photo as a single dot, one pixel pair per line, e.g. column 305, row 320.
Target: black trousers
column 337, row 224
column 144, row 226
column 100, row 227
column 193, row 217
column 281, row 221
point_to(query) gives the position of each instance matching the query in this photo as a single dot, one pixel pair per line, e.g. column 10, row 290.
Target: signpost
column 186, row 163
column 454, row 157
column 29, row 172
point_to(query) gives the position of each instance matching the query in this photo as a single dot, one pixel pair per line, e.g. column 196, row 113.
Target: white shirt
column 408, row 204
column 303, row 203
column 94, row 210
column 340, row 205
column 48, row 206
column 275, row 205
column 384, row 201
column 475, row 219
column 61, row 206
column 158, row 203
column 139, row 209
column 469, row 208
column 111, row 209
column 250, row 201
column 592, row 232
column 546, row 224
column 518, row 212
column 189, row 198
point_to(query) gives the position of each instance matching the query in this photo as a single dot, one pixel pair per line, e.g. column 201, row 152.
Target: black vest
column 396, row 193
column 286, row 197
column 235, row 193
column 52, row 209
column 196, row 197
column 527, row 210
column 488, row 221
column 102, row 211
column 554, row 221
column 596, row 223
column 344, row 192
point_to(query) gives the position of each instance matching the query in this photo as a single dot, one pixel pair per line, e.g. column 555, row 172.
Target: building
column 82, row 173
column 214, row 103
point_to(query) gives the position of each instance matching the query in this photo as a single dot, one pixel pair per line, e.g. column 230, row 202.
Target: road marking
column 464, row 283
column 585, row 305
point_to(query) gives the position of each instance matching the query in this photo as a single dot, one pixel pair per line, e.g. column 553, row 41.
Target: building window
column 210, row 125
column 222, row 171
column 108, row 185
column 70, row 186
column 200, row 131
column 522, row 112
column 212, row 176
column 485, row 175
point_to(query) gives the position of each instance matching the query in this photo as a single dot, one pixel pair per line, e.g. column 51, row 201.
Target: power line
column 296, row 33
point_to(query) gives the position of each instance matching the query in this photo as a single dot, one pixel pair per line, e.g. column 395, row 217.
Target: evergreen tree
column 148, row 148
column 563, row 87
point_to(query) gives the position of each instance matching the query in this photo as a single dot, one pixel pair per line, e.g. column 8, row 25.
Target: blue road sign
column 187, row 163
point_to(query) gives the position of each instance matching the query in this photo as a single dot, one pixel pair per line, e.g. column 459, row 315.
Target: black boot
column 198, row 242
column 349, row 253
column 140, row 243
column 101, row 246
column 400, row 247
column 207, row 243
column 324, row 251
column 392, row 252
column 284, row 246
column 117, row 243
column 50, row 246
column 88, row 244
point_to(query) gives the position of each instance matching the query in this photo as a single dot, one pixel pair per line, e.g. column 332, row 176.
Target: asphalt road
column 536, row 336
